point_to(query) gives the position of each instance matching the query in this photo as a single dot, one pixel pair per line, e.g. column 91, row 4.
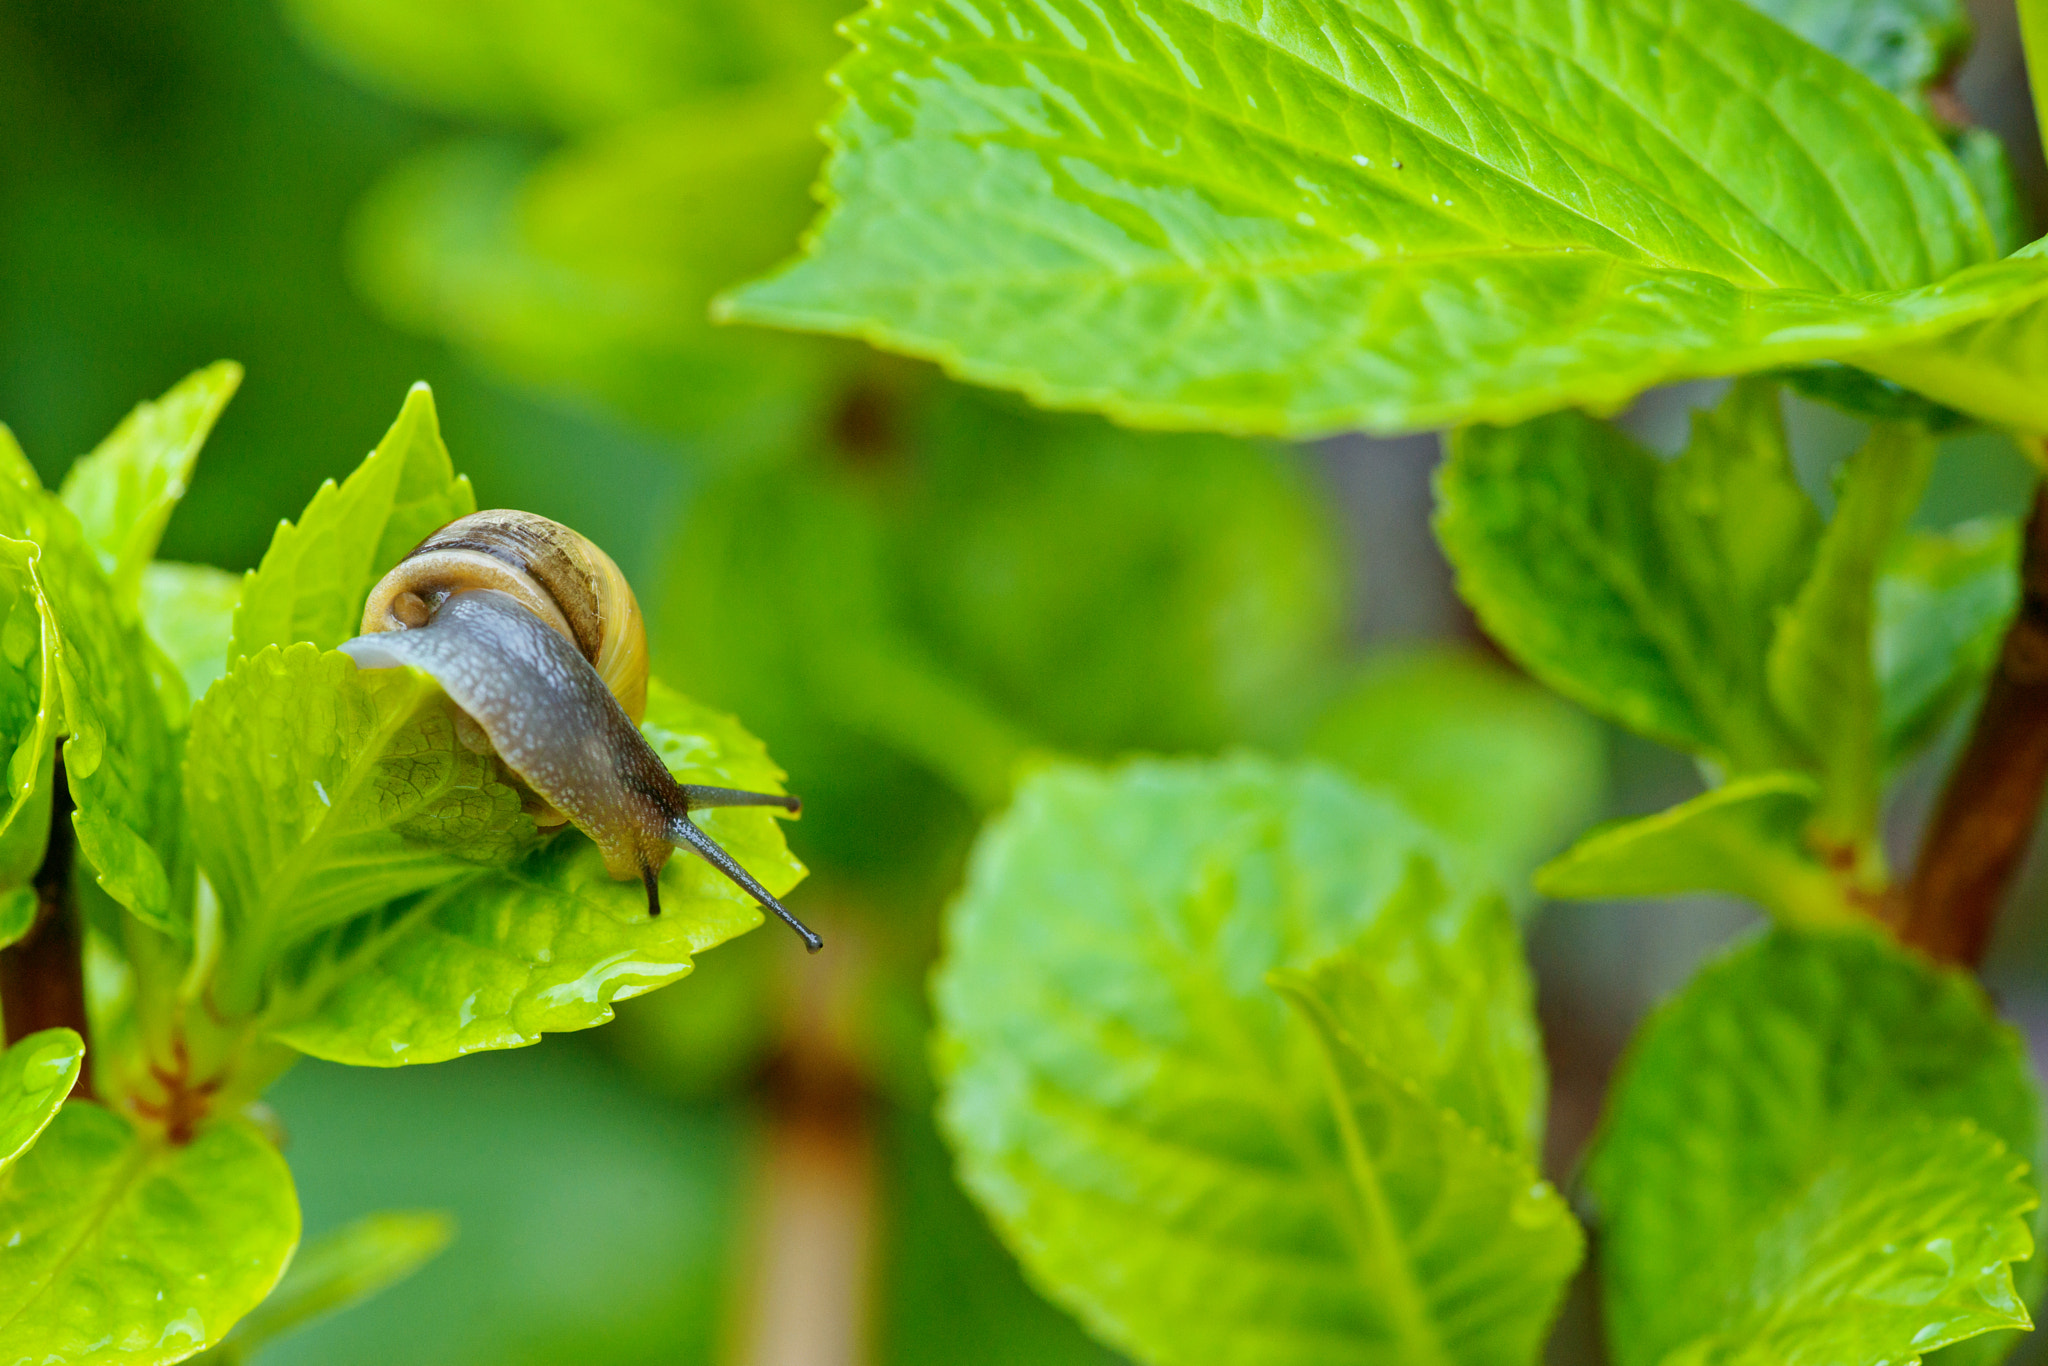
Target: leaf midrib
column 1411, row 1317
column 133, row 1167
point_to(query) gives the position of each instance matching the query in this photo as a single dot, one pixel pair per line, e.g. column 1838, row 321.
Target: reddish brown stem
column 1985, row 819
column 42, row 974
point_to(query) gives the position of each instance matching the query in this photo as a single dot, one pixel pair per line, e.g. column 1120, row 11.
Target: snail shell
column 554, row 573
column 532, row 631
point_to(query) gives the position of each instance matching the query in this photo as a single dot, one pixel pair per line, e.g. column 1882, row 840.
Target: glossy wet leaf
column 123, row 493
column 1376, row 214
column 1419, row 724
column 316, row 573
column 1746, row 838
column 1816, row 1152
column 1823, row 665
column 338, row 1271
column 590, row 271
column 36, row 1075
column 1148, row 1125
column 318, row 792
column 31, row 718
column 119, row 1251
column 1643, row 589
column 499, row 958
column 190, row 612
column 1943, row 604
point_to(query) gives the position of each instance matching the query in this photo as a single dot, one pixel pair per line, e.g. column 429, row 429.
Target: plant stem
column 42, row 974
column 1985, row 819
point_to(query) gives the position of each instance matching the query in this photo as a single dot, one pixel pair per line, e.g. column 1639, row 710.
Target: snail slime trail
column 532, row 631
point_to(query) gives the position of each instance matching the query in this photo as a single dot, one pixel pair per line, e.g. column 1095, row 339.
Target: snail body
column 535, row 635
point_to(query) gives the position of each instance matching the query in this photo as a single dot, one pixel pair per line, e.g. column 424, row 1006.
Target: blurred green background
column 913, row 591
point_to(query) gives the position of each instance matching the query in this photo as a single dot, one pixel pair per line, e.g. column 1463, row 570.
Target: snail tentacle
column 686, row 832
column 703, row 798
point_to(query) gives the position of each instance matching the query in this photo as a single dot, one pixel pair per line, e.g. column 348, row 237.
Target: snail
column 535, row 635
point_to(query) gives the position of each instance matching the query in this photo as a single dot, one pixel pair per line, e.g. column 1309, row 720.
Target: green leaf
column 1421, row 723
column 1996, row 369
column 1823, row 665
column 496, row 960
column 120, row 757
column 31, row 718
column 340, row 1270
column 1642, row 589
column 1903, row 45
column 318, row 792
column 1151, row 1130
column 1943, row 604
column 124, row 492
column 1982, row 155
column 116, row 1249
column 2033, row 16
column 190, row 612
column 1376, row 213
column 313, row 579
column 591, row 271
column 17, row 914
column 1814, row 1153
column 1746, row 838
column 36, row 1076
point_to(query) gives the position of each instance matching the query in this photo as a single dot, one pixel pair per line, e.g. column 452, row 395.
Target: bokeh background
column 913, row 591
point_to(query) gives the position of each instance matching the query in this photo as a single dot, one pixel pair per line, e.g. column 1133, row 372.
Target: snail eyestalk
column 685, row 831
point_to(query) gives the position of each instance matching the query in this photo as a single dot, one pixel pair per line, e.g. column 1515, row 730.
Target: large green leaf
column 124, row 492
column 1152, row 1132
column 499, row 958
column 119, row 1251
column 1943, row 604
column 1996, row 368
column 190, row 612
column 1387, row 214
column 36, row 1075
column 1823, row 659
column 1643, row 589
column 1424, row 724
column 315, row 575
column 1814, row 1154
column 318, row 792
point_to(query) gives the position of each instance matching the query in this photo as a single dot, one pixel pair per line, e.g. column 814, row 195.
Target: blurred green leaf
column 1903, row 45
column 17, row 914
column 1823, row 664
column 2034, row 35
column 1814, row 1153
column 318, row 792
column 546, row 945
column 1864, row 395
column 190, row 612
column 1746, row 838
column 573, row 64
column 1642, row 589
column 36, row 1075
column 119, row 1250
column 590, row 272
column 1982, row 155
column 1490, row 760
column 1943, row 604
column 1372, row 215
column 338, row 1271
column 1146, row 1123
column 124, row 492
column 314, row 577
